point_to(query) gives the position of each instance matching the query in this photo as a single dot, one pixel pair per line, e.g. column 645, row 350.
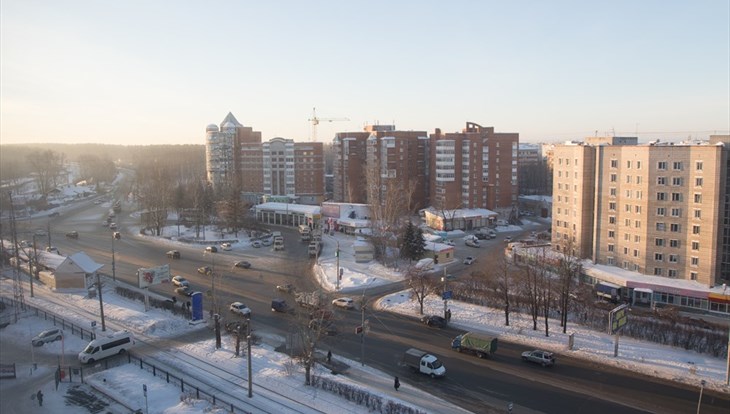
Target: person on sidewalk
column 448, row 315
column 329, row 356
column 396, row 383
column 39, row 396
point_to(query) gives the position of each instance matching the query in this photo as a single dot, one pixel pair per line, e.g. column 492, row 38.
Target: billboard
column 153, row 276
column 618, row 318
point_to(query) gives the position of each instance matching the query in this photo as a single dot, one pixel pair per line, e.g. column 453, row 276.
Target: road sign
column 617, row 318
column 144, row 388
column 446, row 295
column 358, row 330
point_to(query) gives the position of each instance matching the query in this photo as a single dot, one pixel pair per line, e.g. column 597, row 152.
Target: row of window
column 661, row 165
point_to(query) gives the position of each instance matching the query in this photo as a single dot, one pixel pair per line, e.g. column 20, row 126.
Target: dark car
column 243, row 264
column 211, row 249
column 173, row 254
column 72, row 235
column 433, row 321
column 280, row 305
column 205, row 270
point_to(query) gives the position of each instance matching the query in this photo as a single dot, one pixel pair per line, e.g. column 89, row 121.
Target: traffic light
column 435, row 259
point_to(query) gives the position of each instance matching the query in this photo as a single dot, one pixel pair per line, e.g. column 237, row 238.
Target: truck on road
column 424, row 363
column 314, row 248
column 480, row 344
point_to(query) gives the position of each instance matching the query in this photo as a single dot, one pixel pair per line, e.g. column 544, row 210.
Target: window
column 637, row 239
column 628, row 179
column 674, row 227
column 661, row 180
column 610, row 261
column 676, row 197
column 693, row 275
column 638, row 179
column 657, row 271
column 673, row 258
column 676, row 212
column 698, row 182
column 698, row 198
column 637, row 224
column 694, row 261
column 612, row 191
column 612, row 206
column 672, row 273
column 660, row 227
column 611, row 234
column 677, row 165
column 661, row 165
column 610, row 248
column 698, row 166
column 661, row 196
column 638, row 165
column 637, row 209
column 627, row 222
column 628, row 164
column 613, row 178
column 698, row 214
column 658, row 257
column 614, row 163
column 676, row 181
column 695, row 229
column 695, row 245
column 659, row 242
column 627, row 236
column 660, row 211
column 636, row 253
column 639, row 194
column 626, row 250
column 628, row 193
column 611, row 219
column 627, row 207
column 674, row 243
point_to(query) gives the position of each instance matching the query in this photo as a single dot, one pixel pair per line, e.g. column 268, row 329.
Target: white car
column 469, row 260
column 256, row 244
column 266, row 242
column 226, row 246
column 179, row 281
column 346, row 303
column 240, row 308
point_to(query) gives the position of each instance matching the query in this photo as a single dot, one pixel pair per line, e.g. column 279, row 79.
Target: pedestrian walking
column 39, row 396
column 448, row 315
column 396, row 383
column 329, row 356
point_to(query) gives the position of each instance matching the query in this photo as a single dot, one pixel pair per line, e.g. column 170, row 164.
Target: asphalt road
column 572, row 386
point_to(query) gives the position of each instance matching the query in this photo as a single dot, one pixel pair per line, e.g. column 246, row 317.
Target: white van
column 106, row 346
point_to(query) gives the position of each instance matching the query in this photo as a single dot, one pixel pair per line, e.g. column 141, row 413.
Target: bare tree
column 568, row 269
column 421, row 284
column 47, row 166
column 312, row 324
column 503, row 281
column 155, row 192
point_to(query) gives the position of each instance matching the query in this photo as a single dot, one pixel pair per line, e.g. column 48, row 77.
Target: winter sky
column 141, row 72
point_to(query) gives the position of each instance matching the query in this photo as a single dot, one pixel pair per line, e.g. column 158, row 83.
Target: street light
column 702, row 387
column 114, row 265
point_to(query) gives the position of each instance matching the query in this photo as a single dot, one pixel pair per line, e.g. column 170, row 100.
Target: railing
column 57, row 320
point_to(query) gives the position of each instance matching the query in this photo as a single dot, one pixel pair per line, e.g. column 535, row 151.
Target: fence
column 56, row 320
column 185, row 388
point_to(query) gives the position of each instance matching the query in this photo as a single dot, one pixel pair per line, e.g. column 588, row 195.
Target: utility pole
column 114, row 267
column 248, row 345
column 101, row 302
column 34, row 267
column 337, row 273
column 17, row 285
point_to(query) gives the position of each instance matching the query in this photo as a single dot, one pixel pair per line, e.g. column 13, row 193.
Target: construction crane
column 315, row 120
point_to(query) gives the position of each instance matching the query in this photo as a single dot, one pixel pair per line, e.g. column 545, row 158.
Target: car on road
column 205, row 270
column 72, row 235
column 211, row 249
column 469, row 260
column 256, row 244
column 242, row 264
column 53, row 249
column 113, row 226
column 117, row 235
column 184, row 291
column 508, row 239
column 54, row 214
column 472, row 243
column 240, row 308
column 288, row 288
column 346, row 303
column 266, row 242
column 179, row 281
column 544, row 358
column 45, row 337
column 173, row 254
column 433, row 321
column 226, row 246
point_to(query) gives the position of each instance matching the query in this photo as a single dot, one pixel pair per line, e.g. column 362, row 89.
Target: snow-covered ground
column 272, row 369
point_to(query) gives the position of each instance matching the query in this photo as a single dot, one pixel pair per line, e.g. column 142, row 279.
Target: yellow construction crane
column 315, row 120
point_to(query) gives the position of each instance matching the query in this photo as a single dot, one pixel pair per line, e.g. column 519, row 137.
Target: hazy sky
column 158, row 72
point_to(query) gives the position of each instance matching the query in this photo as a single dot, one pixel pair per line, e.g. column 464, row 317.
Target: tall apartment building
column 349, row 167
column 475, row 168
column 723, row 252
column 222, row 150
column 654, row 209
column 235, row 156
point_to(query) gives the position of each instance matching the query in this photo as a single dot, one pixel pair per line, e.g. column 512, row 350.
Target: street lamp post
column 114, row 264
column 445, row 279
column 699, row 402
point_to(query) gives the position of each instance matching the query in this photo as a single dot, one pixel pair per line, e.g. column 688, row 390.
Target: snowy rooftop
column 286, row 207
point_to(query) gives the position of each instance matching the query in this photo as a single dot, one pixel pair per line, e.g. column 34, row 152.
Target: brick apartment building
column 656, row 209
column 475, row 168
column 222, row 150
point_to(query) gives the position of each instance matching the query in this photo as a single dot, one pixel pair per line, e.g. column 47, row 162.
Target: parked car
column 256, row 244
column 280, row 305
column 72, row 235
column 243, row 264
column 45, row 337
column 53, row 249
column 205, row 270
column 211, row 249
column 173, row 254
column 472, row 243
column 113, row 226
column 433, row 321
column 266, row 242
column 54, row 214
column 226, row 246
column 469, row 260
column 508, row 239
column 288, row 288
column 184, row 291
column 544, row 358
column 240, row 308
column 346, row 303
column 179, row 281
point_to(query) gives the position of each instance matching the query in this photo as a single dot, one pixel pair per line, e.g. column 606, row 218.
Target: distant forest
column 188, row 161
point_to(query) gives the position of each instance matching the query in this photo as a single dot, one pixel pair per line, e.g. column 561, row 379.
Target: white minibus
column 106, row 346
